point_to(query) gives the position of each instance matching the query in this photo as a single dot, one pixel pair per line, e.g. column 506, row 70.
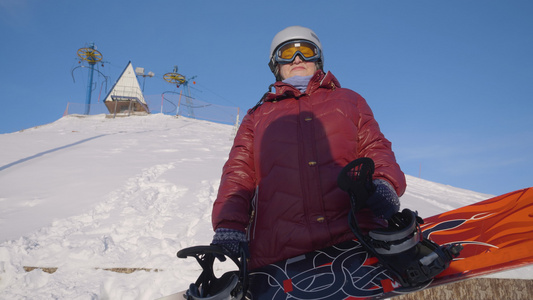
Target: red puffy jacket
column 280, row 181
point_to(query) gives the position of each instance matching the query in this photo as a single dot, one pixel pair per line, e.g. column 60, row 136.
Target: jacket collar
column 318, row 81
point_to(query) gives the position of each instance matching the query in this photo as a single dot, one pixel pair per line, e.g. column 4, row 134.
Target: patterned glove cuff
column 231, row 240
column 224, row 235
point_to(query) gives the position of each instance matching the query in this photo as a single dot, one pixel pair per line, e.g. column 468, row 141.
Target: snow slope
column 86, row 193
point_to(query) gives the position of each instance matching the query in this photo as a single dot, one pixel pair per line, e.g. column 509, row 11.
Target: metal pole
column 89, row 85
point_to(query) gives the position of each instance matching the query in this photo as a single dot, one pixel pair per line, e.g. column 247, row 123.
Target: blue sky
column 450, row 82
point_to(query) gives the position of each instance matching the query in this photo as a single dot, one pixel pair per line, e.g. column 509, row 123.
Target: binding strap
column 403, row 234
column 402, row 249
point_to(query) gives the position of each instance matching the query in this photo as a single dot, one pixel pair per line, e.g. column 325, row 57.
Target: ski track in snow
column 127, row 230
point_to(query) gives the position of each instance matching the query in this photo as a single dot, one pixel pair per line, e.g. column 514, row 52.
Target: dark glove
column 232, row 241
column 384, row 202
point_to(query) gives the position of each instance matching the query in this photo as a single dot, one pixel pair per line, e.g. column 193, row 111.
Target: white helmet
column 293, row 33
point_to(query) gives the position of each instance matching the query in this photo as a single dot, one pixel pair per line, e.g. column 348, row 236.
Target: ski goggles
column 287, row 52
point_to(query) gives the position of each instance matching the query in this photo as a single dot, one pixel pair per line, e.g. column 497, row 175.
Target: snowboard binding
column 230, row 286
column 401, row 247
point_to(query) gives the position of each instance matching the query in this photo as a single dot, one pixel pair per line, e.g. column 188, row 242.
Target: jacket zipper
column 253, row 216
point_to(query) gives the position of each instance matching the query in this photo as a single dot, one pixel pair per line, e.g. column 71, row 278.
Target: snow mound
column 86, row 194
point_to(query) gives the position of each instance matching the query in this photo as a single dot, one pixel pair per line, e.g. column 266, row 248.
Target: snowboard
column 497, row 235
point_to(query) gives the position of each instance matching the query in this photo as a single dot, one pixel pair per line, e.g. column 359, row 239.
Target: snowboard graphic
column 497, row 235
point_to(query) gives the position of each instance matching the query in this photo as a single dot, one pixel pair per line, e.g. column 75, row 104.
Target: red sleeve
column 237, row 186
column 372, row 143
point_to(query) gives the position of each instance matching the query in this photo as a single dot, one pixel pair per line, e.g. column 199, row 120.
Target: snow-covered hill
column 86, row 193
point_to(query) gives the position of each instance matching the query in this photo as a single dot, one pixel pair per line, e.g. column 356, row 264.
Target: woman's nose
column 297, row 59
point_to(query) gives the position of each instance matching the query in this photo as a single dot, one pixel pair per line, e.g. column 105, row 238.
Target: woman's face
column 297, row 67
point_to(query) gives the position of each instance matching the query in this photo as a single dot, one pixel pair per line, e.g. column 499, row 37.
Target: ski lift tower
column 177, row 79
column 91, row 56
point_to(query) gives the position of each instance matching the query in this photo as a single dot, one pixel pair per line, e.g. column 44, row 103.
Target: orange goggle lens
column 288, row 51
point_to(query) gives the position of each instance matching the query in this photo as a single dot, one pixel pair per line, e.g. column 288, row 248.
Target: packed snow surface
column 89, row 193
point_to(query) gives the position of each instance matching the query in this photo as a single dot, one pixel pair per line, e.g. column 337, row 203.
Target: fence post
column 179, row 102
column 66, row 110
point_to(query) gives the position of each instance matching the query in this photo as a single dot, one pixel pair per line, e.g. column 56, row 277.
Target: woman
column 278, row 192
